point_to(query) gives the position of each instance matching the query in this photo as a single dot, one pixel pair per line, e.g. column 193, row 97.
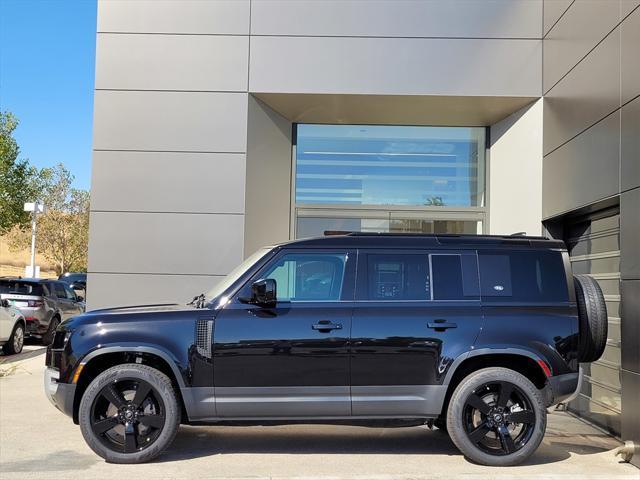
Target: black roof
column 29, row 280
column 411, row 240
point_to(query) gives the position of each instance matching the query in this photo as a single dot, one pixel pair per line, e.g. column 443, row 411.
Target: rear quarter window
column 522, row 276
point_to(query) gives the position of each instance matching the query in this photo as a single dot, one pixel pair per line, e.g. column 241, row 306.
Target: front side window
column 522, row 276
column 308, row 276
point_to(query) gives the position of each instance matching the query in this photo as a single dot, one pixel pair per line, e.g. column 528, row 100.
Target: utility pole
column 36, row 208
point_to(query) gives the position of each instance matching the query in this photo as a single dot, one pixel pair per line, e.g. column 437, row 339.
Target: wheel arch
column 99, row 360
column 522, row 361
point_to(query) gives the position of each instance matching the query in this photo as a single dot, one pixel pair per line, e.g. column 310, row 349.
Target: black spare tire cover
column 593, row 323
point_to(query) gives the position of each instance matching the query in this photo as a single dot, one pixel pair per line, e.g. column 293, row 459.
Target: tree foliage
column 17, row 184
column 63, row 230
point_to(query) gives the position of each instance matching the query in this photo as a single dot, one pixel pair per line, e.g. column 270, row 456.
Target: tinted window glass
column 308, row 277
column 447, row 277
column 71, row 295
column 20, row 288
column 58, row 288
column 398, row 277
column 522, row 277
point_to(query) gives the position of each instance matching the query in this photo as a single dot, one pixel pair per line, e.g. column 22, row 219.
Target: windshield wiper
column 198, row 301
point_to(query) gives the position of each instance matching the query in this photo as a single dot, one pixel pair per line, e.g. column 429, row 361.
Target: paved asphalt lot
column 36, row 441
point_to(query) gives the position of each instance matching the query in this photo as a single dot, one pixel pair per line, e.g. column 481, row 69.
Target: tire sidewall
column 47, row 338
column 455, row 424
column 8, row 347
column 162, row 385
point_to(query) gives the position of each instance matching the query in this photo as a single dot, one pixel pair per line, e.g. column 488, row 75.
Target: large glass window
column 390, row 165
column 381, row 178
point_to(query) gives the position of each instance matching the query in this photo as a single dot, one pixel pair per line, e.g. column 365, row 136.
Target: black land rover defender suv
column 477, row 335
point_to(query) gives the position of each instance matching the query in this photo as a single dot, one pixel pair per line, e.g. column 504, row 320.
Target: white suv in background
column 12, row 325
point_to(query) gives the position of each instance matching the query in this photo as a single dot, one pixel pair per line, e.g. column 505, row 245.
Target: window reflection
column 390, row 165
column 318, row 226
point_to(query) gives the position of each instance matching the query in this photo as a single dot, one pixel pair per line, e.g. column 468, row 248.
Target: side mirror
column 263, row 292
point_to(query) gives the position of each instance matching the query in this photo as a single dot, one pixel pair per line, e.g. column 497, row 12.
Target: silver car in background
column 12, row 327
column 44, row 304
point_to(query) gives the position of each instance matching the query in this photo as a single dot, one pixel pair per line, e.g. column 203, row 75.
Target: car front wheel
column 496, row 417
column 129, row 414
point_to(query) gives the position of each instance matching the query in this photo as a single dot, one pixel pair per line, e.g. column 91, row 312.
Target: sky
column 47, row 63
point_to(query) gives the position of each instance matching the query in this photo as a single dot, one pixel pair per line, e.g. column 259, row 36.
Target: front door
column 416, row 312
column 292, row 360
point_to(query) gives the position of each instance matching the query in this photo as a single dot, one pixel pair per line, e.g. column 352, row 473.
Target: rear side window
column 454, row 277
column 398, row 277
column 422, row 277
column 522, row 277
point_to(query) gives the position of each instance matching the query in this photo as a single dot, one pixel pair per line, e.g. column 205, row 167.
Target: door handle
column 440, row 325
column 326, row 326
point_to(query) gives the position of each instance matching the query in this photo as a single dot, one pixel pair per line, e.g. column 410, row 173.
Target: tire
column 160, row 404
column 592, row 315
column 47, row 338
column 483, row 437
column 16, row 340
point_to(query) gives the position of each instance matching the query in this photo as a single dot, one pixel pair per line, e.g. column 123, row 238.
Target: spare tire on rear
column 593, row 323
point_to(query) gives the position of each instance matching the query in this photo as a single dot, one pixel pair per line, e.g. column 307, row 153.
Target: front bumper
column 61, row 395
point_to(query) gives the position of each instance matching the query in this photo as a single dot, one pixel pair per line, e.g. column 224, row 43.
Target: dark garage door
column 594, row 247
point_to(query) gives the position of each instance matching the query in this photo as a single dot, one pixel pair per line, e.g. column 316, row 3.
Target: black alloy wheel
column 498, row 418
column 128, row 415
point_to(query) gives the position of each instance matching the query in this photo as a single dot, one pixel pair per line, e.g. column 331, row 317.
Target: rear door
column 416, row 311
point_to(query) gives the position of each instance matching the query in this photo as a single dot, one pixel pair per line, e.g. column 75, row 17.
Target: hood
column 135, row 313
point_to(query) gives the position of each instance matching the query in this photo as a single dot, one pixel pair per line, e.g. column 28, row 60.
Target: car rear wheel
column 496, row 417
column 47, row 338
column 16, row 341
column 129, row 414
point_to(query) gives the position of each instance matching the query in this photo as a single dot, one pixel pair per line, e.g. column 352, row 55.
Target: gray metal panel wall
column 172, row 129
column 397, row 66
column 398, row 18
column 170, row 136
column 591, row 145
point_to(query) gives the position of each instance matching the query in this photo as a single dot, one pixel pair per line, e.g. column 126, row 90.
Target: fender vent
column 204, row 328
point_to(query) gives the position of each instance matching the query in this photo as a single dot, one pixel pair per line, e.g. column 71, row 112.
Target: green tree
column 434, row 202
column 17, row 177
column 63, row 231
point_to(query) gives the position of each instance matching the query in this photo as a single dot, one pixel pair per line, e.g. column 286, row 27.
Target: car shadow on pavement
column 26, row 354
column 194, row 442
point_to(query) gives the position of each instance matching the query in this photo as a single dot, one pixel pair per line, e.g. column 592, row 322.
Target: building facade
column 221, row 126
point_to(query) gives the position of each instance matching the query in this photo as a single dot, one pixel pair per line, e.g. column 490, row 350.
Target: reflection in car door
column 64, row 303
column 75, row 307
column 290, row 360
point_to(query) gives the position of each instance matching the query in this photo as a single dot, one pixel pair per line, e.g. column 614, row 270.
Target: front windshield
column 236, row 273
